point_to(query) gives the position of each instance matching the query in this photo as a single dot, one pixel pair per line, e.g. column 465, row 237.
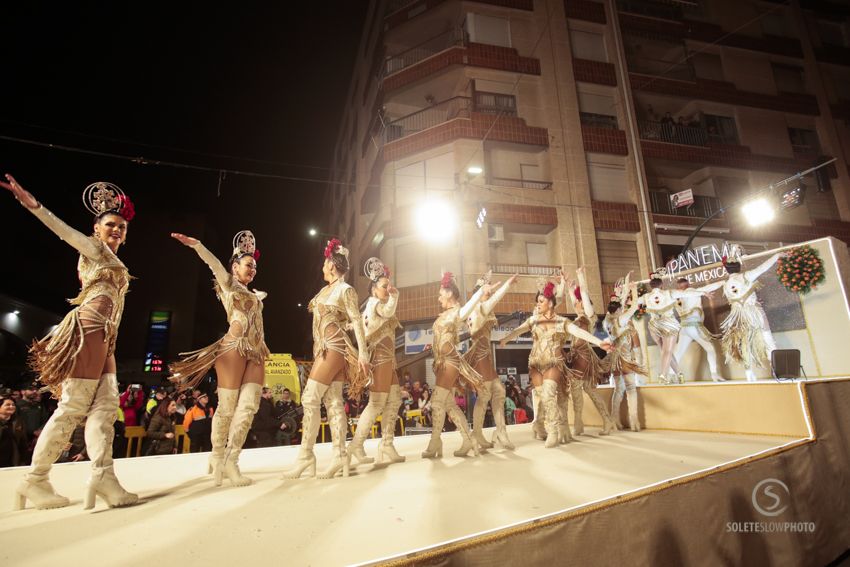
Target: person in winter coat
column 266, row 425
column 198, row 425
column 13, row 437
column 131, row 401
column 161, row 429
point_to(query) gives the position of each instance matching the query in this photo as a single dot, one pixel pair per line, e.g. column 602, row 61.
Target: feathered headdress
column 484, row 279
column 447, row 280
column 335, row 247
column 658, row 273
column 103, row 197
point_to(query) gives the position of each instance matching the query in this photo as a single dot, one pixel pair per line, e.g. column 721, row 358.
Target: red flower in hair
column 386, row 271
column 447, row 280
column 723, row 260
column 333, row 244
column 256, row 254
column 126, row 208
column 549, row 290
column 577, row 293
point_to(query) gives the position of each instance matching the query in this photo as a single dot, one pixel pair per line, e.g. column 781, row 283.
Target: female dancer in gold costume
column 334, row 309
column 239, row 357
column 623, row 363
column 547, row 366
column 77, row 359
column 380, row 324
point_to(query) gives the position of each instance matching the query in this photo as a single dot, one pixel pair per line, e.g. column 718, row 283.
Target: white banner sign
column 697, row 257
column 682, row 198
column 417, row 337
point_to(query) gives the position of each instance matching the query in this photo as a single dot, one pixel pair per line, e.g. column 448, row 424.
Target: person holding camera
column 131, row 401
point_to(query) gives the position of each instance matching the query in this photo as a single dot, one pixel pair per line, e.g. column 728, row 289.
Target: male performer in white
column 691, row 318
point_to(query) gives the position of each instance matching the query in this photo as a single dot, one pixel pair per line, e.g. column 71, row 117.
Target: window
column 721, row 129
column 708, row 66
column 588, row 45
column 788, row 79
column 616, row 259
column 537, row 254
column 417, row 264
column 424, row 178
column 597, row 110
column 488, row 29
column 832, row 33
column 608, row 182
column 804, row 141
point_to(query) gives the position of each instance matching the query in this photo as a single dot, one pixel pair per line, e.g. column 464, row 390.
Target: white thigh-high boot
column 311, row 402
column 99, row 433
column 222, row 417
column 377, row 402
column 246, row 407
column 576, row 387
column 386, row 451
column 459, row 419
column 439, row 401
column 549, row 405
column 77, row 396
column 564, row 435
column 485, row 394
column 608, row 425
column 538, row 427
column 617, row 400
column 632, row 399
column 497, row 402
column 637, row 352
column 339, row 430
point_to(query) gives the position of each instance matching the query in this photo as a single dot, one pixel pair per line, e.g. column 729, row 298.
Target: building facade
column 585, row 118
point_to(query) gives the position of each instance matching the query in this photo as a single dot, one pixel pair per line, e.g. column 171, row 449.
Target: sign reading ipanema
column 698, row 257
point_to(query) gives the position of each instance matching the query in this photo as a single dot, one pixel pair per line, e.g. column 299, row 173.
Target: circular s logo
column 770, row 497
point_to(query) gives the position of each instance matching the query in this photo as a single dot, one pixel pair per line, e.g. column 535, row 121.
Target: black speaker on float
column 785, row 364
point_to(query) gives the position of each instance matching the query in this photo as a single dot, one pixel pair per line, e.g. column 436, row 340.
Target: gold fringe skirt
column 339, row 341
column 188, row 372
column 620, row 361
column 53, row 357
column 468, row 374
column 665, row 326
column 480, row 350
column 742, row 340
column 584, row 364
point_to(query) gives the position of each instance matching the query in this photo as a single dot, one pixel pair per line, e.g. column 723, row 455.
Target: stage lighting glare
column 436, row 221
column 475, row 170
column 313, row 232
column 758, row 212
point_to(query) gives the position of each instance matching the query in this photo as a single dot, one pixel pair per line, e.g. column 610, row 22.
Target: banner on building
column 682, row 198
column 417, row 337
column 282, row 372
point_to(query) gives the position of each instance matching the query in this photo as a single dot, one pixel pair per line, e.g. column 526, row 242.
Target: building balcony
column 519, row 183
column 704, row 206
column 615, row 217
column 454, row 119
column 721, row 91
column 585, row 10
column 598, row 72
column 604, row 140
column 447, row 50
column 525, row 269
column 401, row 11
column 835, row 54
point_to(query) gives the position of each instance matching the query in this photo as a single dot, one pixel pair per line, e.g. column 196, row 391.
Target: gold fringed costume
column 334, row 309
column 379, row 325
column 480, row 322
column 446, row 337
column 244, row 310
column 583, row 362
column 743, row 339
column 104, row 282
column 661, row 321
column 621, row 360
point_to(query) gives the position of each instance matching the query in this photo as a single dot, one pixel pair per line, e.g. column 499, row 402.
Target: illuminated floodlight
column 436, row 221
column 313, row 232
column 475, row 170
column 758, row 212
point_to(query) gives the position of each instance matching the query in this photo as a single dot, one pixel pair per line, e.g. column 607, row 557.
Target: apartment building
column 584, row 117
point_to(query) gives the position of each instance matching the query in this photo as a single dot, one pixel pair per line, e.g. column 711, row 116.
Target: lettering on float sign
column 697, row 257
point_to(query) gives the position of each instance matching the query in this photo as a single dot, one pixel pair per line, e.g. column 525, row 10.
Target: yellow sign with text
column 282, row 372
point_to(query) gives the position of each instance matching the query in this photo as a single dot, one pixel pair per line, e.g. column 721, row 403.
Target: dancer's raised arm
column 82, row 243
column 580, row 333
column 222, row 276
column 582, row 289
column 756, row 272
column 387, row 310
column 490, row 304
column 522, row 329
column 466, row 309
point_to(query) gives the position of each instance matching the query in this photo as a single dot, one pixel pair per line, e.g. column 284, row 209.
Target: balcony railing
column 703, row 206
column 675, row 69
column 449, row 109
column 673, row 133
column 523, row 183
column 599, row 120
column 651, row 9
column 396, row 5
column 427, row 48
column 495, row 103
column 525, row 269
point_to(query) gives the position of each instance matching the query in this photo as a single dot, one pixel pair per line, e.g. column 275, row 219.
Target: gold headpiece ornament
column 375, row 269
column 245, row 243
column 105, row 197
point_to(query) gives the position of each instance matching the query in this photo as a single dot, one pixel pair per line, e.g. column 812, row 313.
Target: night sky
column 265, row 82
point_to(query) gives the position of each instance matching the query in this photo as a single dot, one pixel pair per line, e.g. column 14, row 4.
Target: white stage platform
column 373, row 514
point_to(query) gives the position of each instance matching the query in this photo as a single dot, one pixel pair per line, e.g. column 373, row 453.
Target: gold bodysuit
column 446, row 337
column 583, row 362
column 104, row 282
column 380, row 324
column 621, row 360
column 480, row 323
column 244, row 310
column 334, row 309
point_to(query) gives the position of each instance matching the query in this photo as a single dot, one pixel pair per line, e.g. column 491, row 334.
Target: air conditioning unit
column 495, row 233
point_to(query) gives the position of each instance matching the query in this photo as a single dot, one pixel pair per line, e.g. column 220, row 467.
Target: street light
column 475, row 170
column 435, row 221
column 313, row 232
column 758, row 212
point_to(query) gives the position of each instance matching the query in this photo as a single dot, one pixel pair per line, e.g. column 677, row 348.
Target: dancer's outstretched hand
column 391, row 289
column 183, row 239
column 19, row 192
column 365, row 367
column 512, row 280
column 606, row 345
